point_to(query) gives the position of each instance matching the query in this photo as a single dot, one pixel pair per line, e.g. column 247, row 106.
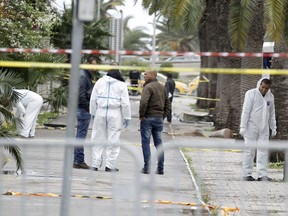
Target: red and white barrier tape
column 145, row 53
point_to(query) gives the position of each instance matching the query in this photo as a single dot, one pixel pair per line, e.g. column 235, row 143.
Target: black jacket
column 85, row 90
column 170, row 86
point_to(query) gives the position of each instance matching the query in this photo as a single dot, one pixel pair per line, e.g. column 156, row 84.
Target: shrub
column 133, row 62
column 175, row 75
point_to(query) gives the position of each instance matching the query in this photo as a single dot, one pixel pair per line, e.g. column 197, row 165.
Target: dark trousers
column 169, row 116
column 134, row 84
column 83, row 120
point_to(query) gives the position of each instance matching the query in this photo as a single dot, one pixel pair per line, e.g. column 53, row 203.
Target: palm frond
column 153, row 6
column 11, row 78
column 16, row 154
column 171, row 38
column 285, row 32
column 8, row 97
column 34, row 76
column 241, row 15
column 275, row 18
column 58, row 98
column 8, row 115
column 135, row 39
column 5, row 132
column 125, row 23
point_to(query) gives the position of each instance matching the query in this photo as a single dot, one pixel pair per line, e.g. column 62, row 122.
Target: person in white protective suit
column 109, row 106
column 258, row 115
column 28, row 108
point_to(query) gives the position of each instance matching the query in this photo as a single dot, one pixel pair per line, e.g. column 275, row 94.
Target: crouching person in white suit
column 110, row 108
column 28, row 108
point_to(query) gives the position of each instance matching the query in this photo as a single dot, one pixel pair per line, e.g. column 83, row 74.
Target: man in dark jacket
column 170, row 87
column 83, row 115
column 154, row 107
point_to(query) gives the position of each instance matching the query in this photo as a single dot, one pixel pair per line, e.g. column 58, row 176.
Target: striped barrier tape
column 21, row 64
column 166, row 202
column 145, row 53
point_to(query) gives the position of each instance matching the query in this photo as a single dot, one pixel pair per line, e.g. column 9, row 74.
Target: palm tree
column 200, row 14
column 248, row 25
column 105, row 6
column 244, row 17
column 224, row 114
column 280, row 83
column 8, row 99
column 176, row 39
column 134, row 39
column 247, row 30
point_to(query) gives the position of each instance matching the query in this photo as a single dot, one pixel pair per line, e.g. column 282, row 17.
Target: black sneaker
column 248, row 178
column 145, row 171
column 81, row 166
column 160, row 172
column 111, row 170
column 264, row 178
column 94, row 168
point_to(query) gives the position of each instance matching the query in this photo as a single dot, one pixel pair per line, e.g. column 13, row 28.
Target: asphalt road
column 127, row 192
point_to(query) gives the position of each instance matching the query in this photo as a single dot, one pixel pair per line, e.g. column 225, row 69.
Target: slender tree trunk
column 207, row 33
column 279, row 89
column 253, row 44
column 212, row 61
column 226, row 110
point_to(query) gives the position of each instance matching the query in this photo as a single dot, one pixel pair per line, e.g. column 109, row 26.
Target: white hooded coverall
column 109, row 104
column 258, row 115
column 28, row 108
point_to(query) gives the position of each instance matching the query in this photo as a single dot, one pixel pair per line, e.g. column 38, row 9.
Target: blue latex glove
column 126, row 122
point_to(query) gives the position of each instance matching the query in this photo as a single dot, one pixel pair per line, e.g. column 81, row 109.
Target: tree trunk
column 254, row 43
column 207, row 33
column 226, row 109
column 279, row 89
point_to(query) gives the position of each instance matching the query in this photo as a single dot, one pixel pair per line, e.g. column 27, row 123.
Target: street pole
column 83, row 11
column 285, row 174
column 98, row 10
column 121, row 38
column 77, row 37
column 154, row 41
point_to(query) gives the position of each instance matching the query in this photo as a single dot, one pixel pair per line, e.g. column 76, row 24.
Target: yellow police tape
column 225, row 210
column 22, row 64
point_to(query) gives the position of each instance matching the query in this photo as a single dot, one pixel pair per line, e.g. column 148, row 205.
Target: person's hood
column 110, row 79
column 116, row 75
column 259, row 82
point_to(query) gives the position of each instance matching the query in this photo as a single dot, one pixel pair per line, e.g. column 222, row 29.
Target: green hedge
column 175, row 75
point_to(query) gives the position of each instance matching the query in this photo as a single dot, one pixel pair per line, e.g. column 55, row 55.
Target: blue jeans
column 83, row 121
column 152, row 126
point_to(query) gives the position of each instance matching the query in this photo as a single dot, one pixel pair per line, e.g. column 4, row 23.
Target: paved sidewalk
column 219, row 174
